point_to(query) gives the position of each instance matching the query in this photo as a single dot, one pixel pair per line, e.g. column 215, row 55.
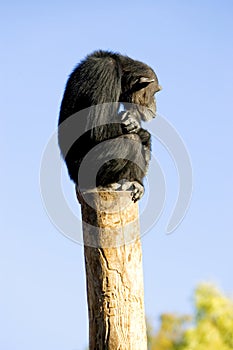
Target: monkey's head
column 139, row 85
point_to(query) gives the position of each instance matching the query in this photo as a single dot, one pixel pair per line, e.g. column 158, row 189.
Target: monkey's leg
column 123, row 165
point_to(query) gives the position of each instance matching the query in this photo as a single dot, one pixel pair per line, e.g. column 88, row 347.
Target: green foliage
column 170, row 334
column 211, row 328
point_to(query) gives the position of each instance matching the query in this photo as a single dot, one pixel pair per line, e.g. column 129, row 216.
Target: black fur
column 102, row 81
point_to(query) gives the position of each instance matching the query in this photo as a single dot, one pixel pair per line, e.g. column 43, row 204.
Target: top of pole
column 110, row 218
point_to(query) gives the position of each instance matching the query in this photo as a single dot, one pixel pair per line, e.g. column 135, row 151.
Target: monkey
column 98, row 140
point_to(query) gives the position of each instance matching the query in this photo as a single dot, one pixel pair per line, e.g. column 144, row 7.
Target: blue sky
column 189, row 45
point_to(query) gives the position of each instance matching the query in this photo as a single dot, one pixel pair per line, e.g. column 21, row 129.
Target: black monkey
column 103, row 146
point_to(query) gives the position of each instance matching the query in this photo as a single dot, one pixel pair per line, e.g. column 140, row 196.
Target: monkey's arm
column 145, row 137
column 131, row 124
column 128, row 123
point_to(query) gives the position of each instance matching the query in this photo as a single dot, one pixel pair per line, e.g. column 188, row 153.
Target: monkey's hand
column 130, row 124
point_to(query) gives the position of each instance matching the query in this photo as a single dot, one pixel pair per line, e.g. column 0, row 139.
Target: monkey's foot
column 137, row 190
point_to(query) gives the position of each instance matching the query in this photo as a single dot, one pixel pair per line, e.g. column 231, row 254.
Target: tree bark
column 114, row 275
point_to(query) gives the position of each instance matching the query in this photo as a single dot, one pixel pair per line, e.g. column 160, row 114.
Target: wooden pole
column 114, row 275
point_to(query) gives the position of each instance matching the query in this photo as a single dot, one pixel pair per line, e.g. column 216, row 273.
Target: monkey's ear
column 141, row 83
column 145, row 80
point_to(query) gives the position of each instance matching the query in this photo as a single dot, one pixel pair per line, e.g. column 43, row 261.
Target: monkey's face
column 144, row 98
column 139, row 86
